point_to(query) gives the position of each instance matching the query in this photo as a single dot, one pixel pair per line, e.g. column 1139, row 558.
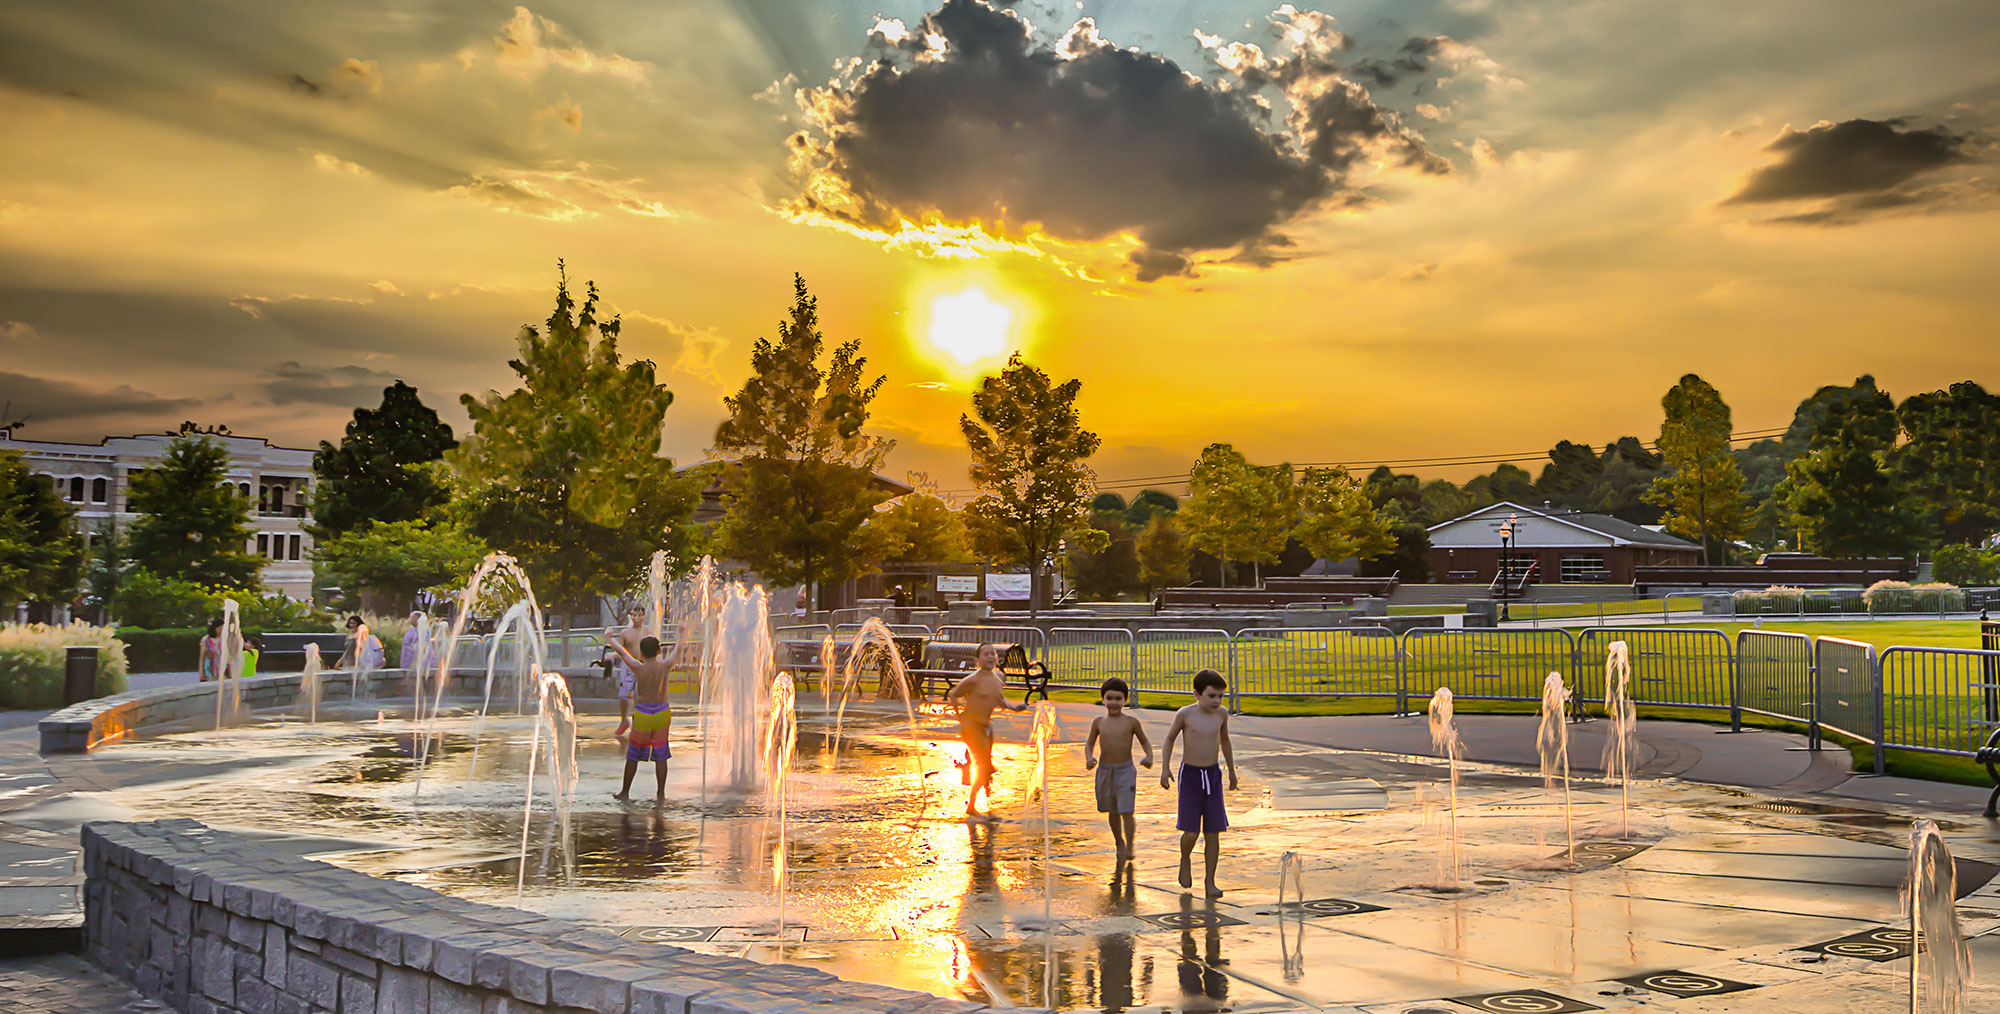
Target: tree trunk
column 1034, row 585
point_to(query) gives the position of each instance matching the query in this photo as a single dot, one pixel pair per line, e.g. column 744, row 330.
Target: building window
column 243, row 490
column 263, row 545
column 295, row 547
column 277, row 499
column 100, row 491
column 76, row 489
column 1584, row 568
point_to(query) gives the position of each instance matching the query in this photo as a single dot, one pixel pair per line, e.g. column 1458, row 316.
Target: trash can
column 79, row 674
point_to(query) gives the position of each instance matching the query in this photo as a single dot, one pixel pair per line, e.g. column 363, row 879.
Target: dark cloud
column 1855, row 168
column 291, row 382
column 42, row 400
column 966, row 118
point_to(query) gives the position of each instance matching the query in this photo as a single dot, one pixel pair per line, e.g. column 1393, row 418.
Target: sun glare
column 969, row 325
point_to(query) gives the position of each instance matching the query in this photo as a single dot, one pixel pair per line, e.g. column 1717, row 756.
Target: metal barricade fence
column 1774, row 676
column 1936, row 700
column 1031, row 639
column 1082, row 658
column 1847, row 691
column 1167, row 659
column 1317, row 662
column 812, row 633
column 846, row 631
column 1493, row 665
column 1689, row 667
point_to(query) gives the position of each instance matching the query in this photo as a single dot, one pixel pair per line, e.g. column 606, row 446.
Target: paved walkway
column 65, row 984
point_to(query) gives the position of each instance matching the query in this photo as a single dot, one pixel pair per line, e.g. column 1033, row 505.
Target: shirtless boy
column 976, row 696
column 652, row 718
column 1117, row 779
column 1206, row 724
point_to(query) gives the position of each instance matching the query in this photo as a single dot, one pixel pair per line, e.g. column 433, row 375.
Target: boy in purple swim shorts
column 1206, row 724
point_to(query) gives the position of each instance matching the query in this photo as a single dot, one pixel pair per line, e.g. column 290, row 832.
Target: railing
column 1687, row 667
column 1939, row 700
column 1168, row 659
column 1847, row 692
column 1774, row 677
column 1082, row 658
column 1338, row 661
column 1486, row 665
column 1031, row 639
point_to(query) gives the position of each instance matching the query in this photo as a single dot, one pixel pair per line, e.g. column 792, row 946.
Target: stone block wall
column 209, row 922
column 84, row 726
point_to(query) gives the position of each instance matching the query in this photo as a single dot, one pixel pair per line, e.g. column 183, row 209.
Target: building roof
column 1620, row 532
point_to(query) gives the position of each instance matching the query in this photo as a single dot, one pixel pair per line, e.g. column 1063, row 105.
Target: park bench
column 1989, row 755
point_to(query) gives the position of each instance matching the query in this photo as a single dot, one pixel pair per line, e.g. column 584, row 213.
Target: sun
column 969, row 325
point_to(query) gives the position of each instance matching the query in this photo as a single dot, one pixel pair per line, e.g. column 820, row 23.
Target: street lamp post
column 1506, row 564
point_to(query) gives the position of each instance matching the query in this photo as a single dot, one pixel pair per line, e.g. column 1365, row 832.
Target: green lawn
column 1880, row 633
column 1621, row 607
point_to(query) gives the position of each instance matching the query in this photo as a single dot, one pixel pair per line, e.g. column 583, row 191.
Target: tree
column 191, row 524
column 397, row 559
column 375, row 474
column 565, row 473
column 1443, row 501
column 1162, row 553
column 1840, row 495
column 1028, row 448
column 1703, row 488
column 1104, row 572
column 1399, row 503
column 918, row 528
column 1236, row 510
column 1150, row 504
column 1507, row 482
column 104, row 572
column 41, row 555
column 1951, row 461
column 1336, row 518
column 805, row 483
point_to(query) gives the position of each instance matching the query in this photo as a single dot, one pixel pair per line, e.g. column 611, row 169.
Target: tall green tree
column 565, row 472
column 918, row 528
column 1950, row 461
column 1844, row 500
column 1162, row 554
column 393, row 560
column 1443, row 501
column 1237, row 511
column 1149, row 504
column 805, row 482
column 104, row 571
column 1508, row 482
column 1702, row 491
column 1400, row 504
column 191, row 524
column 1028, row 449
column 1103, row 573
column 377, row 471
column 1336, row 519
column 41, row 555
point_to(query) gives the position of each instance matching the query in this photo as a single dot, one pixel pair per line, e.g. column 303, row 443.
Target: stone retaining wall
column 84, row 726
column 210, row 922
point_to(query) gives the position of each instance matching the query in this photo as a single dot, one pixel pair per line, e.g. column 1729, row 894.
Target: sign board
column 958, row 584
column 1007, row 587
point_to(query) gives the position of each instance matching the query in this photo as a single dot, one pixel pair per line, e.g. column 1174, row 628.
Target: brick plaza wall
column 210, row 922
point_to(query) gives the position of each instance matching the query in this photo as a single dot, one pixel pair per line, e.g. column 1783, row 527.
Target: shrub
column 1966, row 566
column 1775, row 599
column 171, row 650
column 31, row 662
column 152, row 602
column 1904, row 597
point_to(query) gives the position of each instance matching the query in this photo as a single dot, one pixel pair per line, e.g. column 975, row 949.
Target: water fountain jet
column 1444, row 739
column 1624, row 720
column 1552, row 745
column 1942, row 964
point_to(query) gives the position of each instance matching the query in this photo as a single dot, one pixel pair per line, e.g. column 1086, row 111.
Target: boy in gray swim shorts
column 1117, row 781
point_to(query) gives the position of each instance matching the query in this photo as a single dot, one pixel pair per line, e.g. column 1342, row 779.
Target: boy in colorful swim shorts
column 1206, row 724
column 1117, row 780
column 652, row 717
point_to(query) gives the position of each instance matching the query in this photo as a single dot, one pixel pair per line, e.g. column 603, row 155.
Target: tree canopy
column 1336, row 520
column 565, row 473
column 1702, row 491
column 1237, row 511
column 1028, row 449
column 376, row 473
column 1843, row 500
column 397, row 559
column 805, row 482
column 192, row 525
column 41, row 556
column 1950, row 463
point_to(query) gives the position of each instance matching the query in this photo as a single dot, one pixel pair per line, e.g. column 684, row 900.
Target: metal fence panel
column 1774, row 676
column 1031, row 639
column 811, row 633
column 1317, row 662
column 1168, row 659
column 846, row 631
column 1939, row 700
column 1847, row 691
column 1493, row 665
column 1688, row 667
column 1082, row 658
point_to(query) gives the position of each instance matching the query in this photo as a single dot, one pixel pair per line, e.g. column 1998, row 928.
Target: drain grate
column 670, row 934
column 1686, row 984
column 1328, row 907
column 1523, row 1001
column 1883, row 943
column 1602, row 851
column 1200, row 918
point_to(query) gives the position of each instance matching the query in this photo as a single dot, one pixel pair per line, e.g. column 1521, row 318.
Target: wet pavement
column 1701, row 897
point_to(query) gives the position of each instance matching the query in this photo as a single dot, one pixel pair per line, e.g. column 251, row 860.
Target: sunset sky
column 1349, row 232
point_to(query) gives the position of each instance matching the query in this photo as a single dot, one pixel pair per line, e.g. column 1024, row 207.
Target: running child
column 976, row 696
column 1206, row 724
column 1117, row 779
column 652, row 717
column 630, row 638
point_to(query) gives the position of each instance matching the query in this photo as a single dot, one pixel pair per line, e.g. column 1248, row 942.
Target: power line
column 1129, row 482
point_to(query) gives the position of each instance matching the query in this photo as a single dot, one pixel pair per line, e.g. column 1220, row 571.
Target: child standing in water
column 1117, row 779
column 976, row 696
column 1206, row 724
column 652, row 717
